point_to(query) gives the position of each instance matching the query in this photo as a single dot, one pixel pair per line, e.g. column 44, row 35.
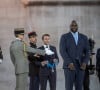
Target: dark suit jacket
column 98, row 59
column 70, row 51
column 33, row 66
column 44, row 69
column 1, row 56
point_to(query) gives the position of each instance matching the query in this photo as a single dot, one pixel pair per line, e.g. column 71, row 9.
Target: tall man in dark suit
column 74, row 49
column 48, row 64
column 98, row 63
column 33, row 63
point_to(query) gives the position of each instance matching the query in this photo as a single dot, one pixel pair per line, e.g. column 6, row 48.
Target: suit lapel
column 79, row 39
column 50, row 47
column 42, row 47
column 72, row 39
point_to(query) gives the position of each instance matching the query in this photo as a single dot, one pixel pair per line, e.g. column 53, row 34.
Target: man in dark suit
column 74, row 49
column 90, row 67
column 48, row 64
column 98, row 63
column 33, row 66
column 1, row 56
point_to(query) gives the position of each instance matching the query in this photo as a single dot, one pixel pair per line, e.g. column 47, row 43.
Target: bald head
column 74, row 26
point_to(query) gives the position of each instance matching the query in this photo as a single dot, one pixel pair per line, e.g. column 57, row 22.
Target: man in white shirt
column 48, row 64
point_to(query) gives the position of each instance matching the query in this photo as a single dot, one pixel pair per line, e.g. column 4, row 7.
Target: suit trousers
column 22, row 81
column 86, row 82
column 50, row 76
column 98, row 74
column 34, row 82
column 74, row 77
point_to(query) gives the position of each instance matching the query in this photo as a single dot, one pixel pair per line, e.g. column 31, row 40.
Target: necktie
column 46, row 46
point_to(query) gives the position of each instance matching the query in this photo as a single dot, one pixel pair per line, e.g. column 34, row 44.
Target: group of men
column 42, row 61
column 74, row 49
column 42, row 68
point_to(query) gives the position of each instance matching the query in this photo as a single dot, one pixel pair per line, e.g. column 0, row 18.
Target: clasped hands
column 43, row 63
column 72, row 67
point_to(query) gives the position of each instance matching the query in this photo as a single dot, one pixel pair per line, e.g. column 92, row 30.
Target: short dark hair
column 74, row 21
column 32, row 34
column 45, row 35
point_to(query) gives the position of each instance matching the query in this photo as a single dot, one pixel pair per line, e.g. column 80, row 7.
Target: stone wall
column 56, row 21
column 43, row 19
column 46, row 19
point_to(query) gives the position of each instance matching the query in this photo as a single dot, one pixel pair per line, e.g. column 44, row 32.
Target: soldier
column 18, row 53
column 1, row 56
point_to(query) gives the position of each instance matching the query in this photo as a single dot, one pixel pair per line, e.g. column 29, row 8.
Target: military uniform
column 18, row 53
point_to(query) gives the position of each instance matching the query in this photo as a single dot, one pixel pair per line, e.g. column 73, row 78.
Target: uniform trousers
column 22, row 81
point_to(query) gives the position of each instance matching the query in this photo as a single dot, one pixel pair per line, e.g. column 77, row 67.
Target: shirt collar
column 76, row 33
column 46, row 46
column 18, row 39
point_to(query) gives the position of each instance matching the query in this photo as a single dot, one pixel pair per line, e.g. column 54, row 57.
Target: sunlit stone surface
column 44, row 19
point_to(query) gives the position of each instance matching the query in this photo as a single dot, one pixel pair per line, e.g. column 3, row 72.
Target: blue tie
column 75, row 35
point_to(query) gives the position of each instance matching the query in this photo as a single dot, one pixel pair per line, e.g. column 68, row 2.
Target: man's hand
column 43, row 63
column 56, row 61
column 83, row 66
column 71, row 66
column 36, row 55
column 0, row 61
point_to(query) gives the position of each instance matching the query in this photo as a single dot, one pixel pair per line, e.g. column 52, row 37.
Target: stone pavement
column 94, row 83
column 7, row 79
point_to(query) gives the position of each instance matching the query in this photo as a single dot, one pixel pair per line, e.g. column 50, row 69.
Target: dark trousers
column 34, row 83
column 47, row 75
column 74, row 77
column 98, row 74
column 86, row 81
